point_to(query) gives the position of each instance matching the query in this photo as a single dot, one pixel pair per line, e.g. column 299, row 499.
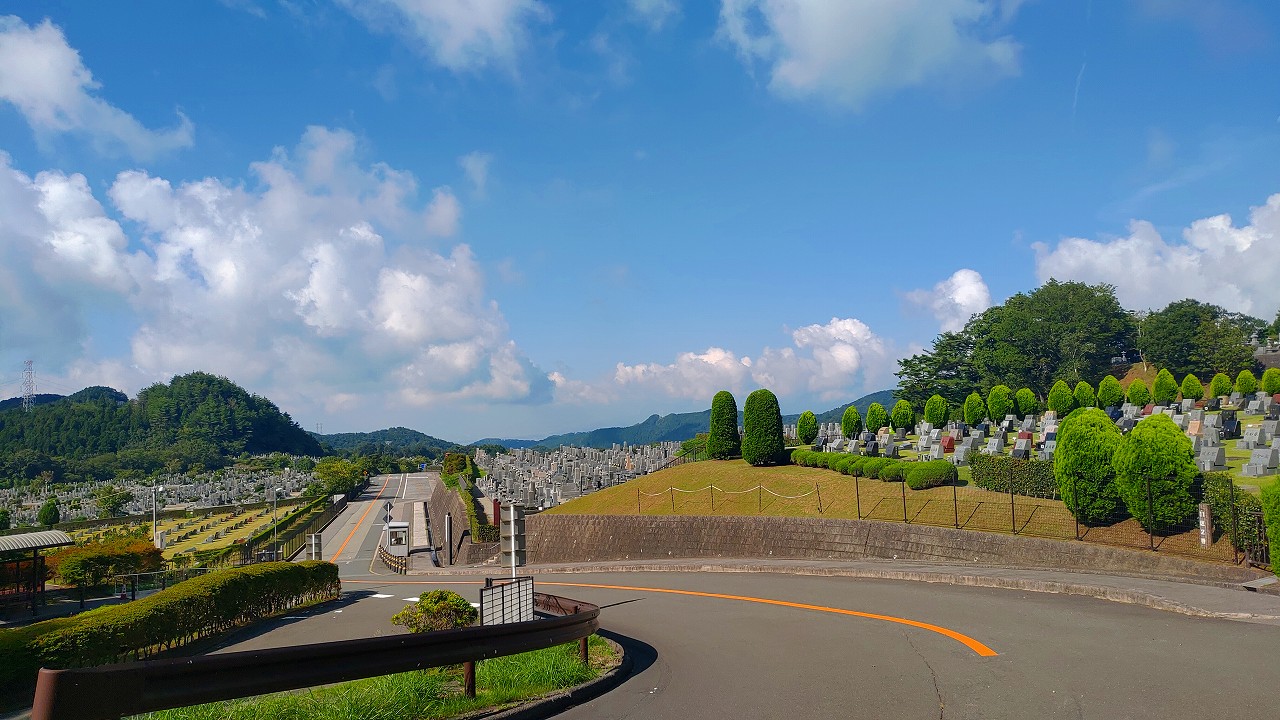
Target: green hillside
column 398, row 440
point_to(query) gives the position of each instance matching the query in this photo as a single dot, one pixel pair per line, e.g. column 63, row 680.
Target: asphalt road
column 1058, row 656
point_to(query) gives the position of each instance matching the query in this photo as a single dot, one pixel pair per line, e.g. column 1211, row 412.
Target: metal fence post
column 582, row 650
column 672, row 490
column 1075, row 501
column 759, row 499
column 712, row 488
column 1151, row 516
column 469, row 678
column 1013, row 513
column 637, row 501
column 904, row 502
column 857, row 495
column 955, row 502
column 819, row 491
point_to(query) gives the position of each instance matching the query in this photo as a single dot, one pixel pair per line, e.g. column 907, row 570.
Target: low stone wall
column 553, row 538
column 445, row 501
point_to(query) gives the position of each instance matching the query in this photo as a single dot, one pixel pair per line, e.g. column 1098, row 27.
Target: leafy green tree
column 1222, row 346
column 723, row 441
column 1165, row 388
column 903, row 415
column 111, row 500
column 1110, row 394
column 974, row 409
column 436, row 610
column 851, row 422
column 4, row 519
column 762, row 442
column 946, row 369
column 1220, row 385
column 1169, row 336
column 935, row 411
column 1271, row 381
column 1138, row 393
column 877, row 417
column 999, row 402
column 1246, row 383
column 1084, row 395
column 1192, row 389
column 1061, row 401
column 807, row 427
column 1156, row 451
column 1087, row 442
column 1062, row 329
column 1028, row 404
column 49, row 514
column 1271, row 515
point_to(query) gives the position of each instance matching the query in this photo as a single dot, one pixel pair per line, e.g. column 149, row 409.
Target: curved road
column 698, row 656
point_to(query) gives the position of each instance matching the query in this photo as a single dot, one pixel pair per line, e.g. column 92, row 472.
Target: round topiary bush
column 723, row 441
column 1246, row 383
column 1084, row 395
column 1061, row 400
column 1028, row 404
column 903, row 415
column 1191, row 388
column 999, row 402
column 931, row 473
column 1165, row 388
column 892, row 471
column 871, row 466
column 935, row 411
column 855, row 466
column 436, row 610
column 1110, row 394
column 1271, row 381
column 974, row 409
column 762, row 426
column 1220, row 386
column 877, row 417
column 1087, row 442
column 842, row 465
column 1138, row 393
column 807, row 427
column 799, row 456
column 851, row 422
column 1159, row 453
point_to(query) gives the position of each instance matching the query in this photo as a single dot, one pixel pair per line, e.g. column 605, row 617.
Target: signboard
column 506, row 601
column 1206, row 525
column 386, row 512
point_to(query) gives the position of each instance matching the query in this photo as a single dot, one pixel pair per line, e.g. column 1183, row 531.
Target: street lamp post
column 155, row 532
column 275, row 527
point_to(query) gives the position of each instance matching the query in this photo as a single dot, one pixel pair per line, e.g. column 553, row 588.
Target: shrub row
column 1271, row 514
column 1033, row 478
column 1217, row 492
column 462, row 481
column 917, row 475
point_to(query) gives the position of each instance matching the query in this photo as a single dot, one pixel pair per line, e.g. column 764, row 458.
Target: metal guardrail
column 110, row 692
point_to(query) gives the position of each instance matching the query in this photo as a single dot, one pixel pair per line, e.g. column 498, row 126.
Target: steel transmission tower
column 28, row 386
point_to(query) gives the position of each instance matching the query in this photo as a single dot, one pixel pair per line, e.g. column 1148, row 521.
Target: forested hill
column 204, row 414
column 674, row 427
column 402, row 441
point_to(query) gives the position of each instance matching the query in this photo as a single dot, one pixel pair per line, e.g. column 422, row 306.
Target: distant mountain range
column 675, row 427
column 397, row 439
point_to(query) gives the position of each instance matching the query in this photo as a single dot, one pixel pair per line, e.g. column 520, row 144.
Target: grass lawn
column 435, row 693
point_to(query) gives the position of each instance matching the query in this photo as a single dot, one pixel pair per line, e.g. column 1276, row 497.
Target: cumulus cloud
column 459, row 35
column 476, row 166
column 1215, row 261
column 846, row 52
column 653, row 13
column 954, row 300
column 43, row 77
column 828, row 361
column 313, row 277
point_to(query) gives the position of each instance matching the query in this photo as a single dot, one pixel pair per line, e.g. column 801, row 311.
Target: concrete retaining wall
column 556, row 538
column 442, row 501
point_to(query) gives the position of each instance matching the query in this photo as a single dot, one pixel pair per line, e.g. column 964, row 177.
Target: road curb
column 562, row 700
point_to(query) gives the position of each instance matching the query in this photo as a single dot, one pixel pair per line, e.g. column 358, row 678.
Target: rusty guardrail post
column 469, row 679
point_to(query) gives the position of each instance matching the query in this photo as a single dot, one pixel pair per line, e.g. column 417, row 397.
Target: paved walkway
column 1208, row 599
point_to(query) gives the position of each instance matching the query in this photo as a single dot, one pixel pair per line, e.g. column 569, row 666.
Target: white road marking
column 380, row 596
column 411, row 599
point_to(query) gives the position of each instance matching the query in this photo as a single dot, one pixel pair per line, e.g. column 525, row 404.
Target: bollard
column 582, row 650
column 469, row 678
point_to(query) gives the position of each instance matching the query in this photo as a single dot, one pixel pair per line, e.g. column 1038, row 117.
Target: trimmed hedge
column 196, row 608
column 851, row 422
column 1216, row 487
column 1271, row 381
column 1027, row 403
column 1033, row 478
column 1061, row 400
column 931, row 473
column 974, row 409
column 1138, row 393
column 877, row 417
column 1220, row 385
column 893, row 471
column 1087, row 441
column 935, row 411
column 903, row 415
column 871, row 467
column 762, row 443
column 1156, row 452
column 807, row 427
column 723, row 441
column 1192, row 388
column 1085, row 397
column 1246, row 383
column 1271, row 514
column 1110, row 394
column 1165, row 388
column 999, row 402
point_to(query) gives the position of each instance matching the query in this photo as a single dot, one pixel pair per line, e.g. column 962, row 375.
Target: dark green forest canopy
column 195, row 418
column 1072, row 331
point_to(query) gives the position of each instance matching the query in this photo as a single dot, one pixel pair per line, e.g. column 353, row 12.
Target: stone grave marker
column 1193, row 428
column 937, row 453
column 1196, row 444
column 995, row 446
column 1188, row 405
column 1211, row 435
column 947, row 443
column 1262, row 462
column 891, row 449
column 1047, row 452
column 1022, row 449
column 1214, row 421
column 1126, row 424
column 1148, row 409
column 926, row 442
column 1269, row 427
column 961, row 456
column 1212, row 458
column 1234, row 399
column 1113, row 412
column 853, row 446
column 1254, row 407
column 900, row 434
column 872, row 449
column 1197, row 415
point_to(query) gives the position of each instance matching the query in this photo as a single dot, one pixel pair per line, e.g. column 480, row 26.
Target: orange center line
column 977, row 647
column 360, row 522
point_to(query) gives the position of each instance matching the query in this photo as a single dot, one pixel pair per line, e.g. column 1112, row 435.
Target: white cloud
column 653, row 13
column 1216, row 262
column 476, row 166
column 847, row 52
column 825, row 361
column 44, row 78
column 314, row 281
column 954, row 300
column 459, row 35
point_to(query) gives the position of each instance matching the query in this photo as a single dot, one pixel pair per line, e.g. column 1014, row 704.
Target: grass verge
column 435, row 693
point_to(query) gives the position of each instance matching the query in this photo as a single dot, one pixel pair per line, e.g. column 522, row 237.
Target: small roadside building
column 22, row 568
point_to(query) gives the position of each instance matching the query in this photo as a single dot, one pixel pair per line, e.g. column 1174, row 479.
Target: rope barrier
column 757, row 488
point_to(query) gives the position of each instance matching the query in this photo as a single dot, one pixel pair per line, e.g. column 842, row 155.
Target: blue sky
column 519, row 217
